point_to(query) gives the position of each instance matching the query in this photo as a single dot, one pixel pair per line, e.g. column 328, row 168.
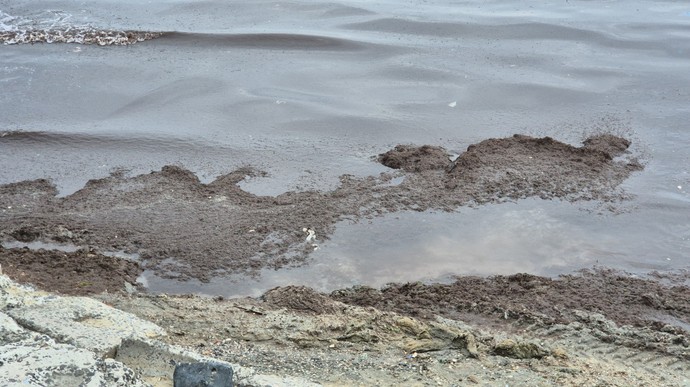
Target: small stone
column 472, row 345
column 202, row 375
column 424, row 345
column 63, row 234
column 559, row 353
column 518, row 350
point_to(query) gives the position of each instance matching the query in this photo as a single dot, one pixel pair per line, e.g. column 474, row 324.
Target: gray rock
column 84, row 323
column 520, row 350
column 13, row 295
column 43, row 362
column 49, row 340
column 10, row 331
column 202, row 375
column 129, row 288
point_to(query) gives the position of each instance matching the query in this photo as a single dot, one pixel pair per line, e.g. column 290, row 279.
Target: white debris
column 453, row 104
column 311, row 234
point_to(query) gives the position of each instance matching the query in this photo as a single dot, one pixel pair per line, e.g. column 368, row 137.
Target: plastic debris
column 311, row 237
column 311, row 234
column 453, row 104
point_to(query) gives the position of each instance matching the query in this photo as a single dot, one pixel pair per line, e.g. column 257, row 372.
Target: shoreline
column 412, row 333
column 597, row 326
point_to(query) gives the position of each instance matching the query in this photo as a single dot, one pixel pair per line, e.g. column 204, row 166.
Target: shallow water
column 308, row 91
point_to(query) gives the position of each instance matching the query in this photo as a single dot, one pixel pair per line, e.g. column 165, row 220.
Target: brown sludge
column 183, row 228
column 80, row 273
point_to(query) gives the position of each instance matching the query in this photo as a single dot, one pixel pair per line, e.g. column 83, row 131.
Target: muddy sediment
column 183, row 228
column 82, row 272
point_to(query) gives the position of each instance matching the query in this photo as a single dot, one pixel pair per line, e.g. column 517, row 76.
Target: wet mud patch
column 82, row 272
column 521, row 166
column 411, row 158
column 300, row 298
column 183, row 228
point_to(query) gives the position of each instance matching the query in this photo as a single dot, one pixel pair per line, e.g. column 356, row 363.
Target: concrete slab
column 84, row 323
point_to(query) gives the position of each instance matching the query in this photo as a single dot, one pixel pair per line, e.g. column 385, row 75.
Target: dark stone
column 202, row 375
column 25, row 234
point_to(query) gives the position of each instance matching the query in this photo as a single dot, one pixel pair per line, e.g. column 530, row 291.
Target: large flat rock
column 42, row 362
column 84, row 323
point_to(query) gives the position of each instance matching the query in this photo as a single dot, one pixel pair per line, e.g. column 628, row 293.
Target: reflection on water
column 37, row 245
column 533, row 236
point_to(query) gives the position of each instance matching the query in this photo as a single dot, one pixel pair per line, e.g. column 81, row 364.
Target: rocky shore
column 294, row 336
column 99, row 327
column 51, row 340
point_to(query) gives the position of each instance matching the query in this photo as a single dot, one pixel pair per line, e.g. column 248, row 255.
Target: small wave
column 282, row 41
column 66, row 141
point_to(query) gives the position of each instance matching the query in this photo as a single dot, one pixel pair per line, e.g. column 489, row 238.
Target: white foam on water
column 7, row 22
column 49, row 19
column 55, row 26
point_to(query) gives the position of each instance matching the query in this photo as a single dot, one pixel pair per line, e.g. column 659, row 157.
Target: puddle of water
column 133, row 257
column 533, row 236
column 37, row 245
